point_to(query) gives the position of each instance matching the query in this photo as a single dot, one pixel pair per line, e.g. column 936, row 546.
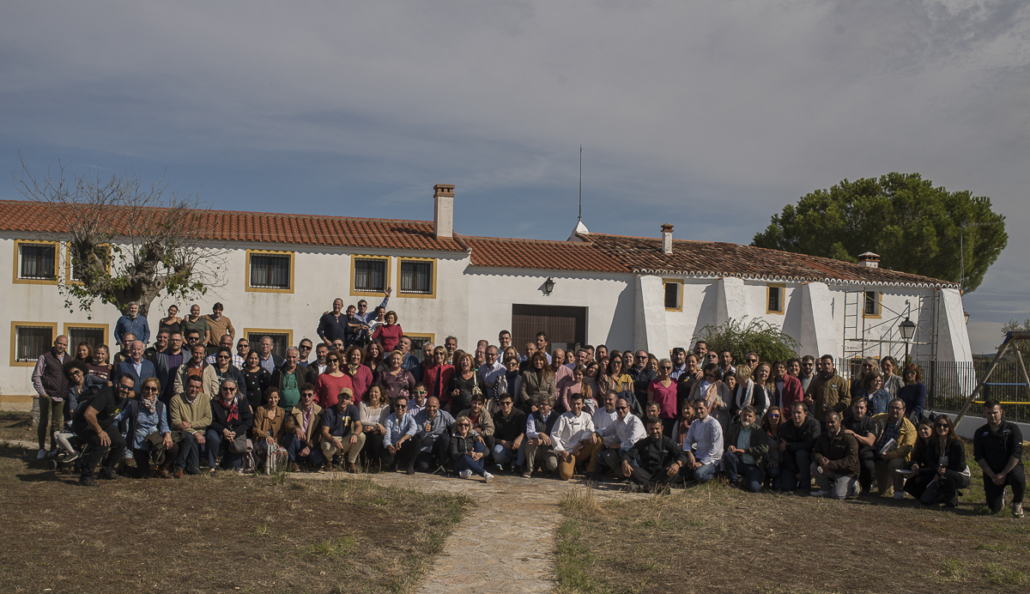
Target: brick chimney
column 667, row 239
column 443, row 210
column 869, row 260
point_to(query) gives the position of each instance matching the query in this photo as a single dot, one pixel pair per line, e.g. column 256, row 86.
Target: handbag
column 239, row 444
column 475, row 385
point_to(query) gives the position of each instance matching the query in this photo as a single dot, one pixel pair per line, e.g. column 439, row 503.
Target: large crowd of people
column 361, row 400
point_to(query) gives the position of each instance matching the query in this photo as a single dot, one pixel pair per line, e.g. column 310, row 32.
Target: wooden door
column 565, row 325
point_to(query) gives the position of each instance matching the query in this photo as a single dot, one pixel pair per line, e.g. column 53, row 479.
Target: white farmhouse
column 284, row 270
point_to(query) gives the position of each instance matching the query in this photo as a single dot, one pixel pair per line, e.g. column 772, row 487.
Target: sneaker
column 88, row 481
column 465, row 474
column 41, row 454
column 410, row 471
column 899, row 494
column 487, row 477
column 527, row 473
column 819, row 493
column 71, row 457
column 498, row 468
column 1017, row 510
column 52, row 453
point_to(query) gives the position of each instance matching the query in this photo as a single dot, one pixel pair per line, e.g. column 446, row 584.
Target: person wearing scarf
column 231, row 416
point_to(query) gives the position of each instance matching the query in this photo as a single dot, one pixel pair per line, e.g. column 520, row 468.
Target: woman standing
column 329, row 384
column 389, row 334
column 617, row 379
column 222, row 370
column 662, row 390
column 465, row 382
column 375, row 357
column 84, row 353
column 763, row 394
column 574, row 384
column 913, row 393
column 360, row 375
column 591, row 378
column 878, row 397
column 771, row 423
column 537, row 382
column 374, row 411
column 508, row 383
column 396, row 380
column 256, row 379
column 172, row 323
column 438, row 376
column 101, row 365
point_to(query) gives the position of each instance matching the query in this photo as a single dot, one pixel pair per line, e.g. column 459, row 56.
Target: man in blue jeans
column 705, row 437
column 746, row 449
column 797, row 439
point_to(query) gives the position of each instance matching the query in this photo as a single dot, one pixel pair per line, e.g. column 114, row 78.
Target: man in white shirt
column 603, row 419
column 706, row 434
column 619, row 437
column 572, row 438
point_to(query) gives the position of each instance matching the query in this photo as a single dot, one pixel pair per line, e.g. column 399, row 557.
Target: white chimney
column 869, row 260
column 443, row 210
column 667, row 239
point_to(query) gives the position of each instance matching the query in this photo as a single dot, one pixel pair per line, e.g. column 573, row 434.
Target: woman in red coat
column 438, row 377
column 389, row 334
column 787, row 387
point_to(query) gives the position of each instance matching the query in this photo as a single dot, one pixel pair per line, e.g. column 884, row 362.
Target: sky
column 708, row 115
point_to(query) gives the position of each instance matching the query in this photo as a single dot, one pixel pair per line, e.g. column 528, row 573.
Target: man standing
column 342, row 433
column 136, row 366
column 190, row 413
column 679, row 363
column 835, row 460
column 451, row 344
column 160, row 346
column 726, row 362
column 166, row 366
column 746, row 449
column 333, row 325
column 95, row 424
column 409, row 362
column 269, row 360
column 127, row 339
column 318, row 366
column 752, row 360
column 705, row 434
column 701, row 350
column 807, row 372
column 491, row 370
column 660, row 459
column 829, row 391
column 51, row 388
column 642, row 375
column 399, row 438
column 291, row 379
column 434, row 427
column 218, row 326
column 304, row 352
column 797, row 439
column 504, row 339
column 542, row 344
column 897, row 438
column 572, row 438
column 132, row 322
column 194, row 322
column 998, row 449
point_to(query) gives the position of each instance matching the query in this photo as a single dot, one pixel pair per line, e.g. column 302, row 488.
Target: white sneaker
column 465, row 473
column 1017, row 510
column 41, row 455
column 487, row 477
column 819, row 493
column 899, row 494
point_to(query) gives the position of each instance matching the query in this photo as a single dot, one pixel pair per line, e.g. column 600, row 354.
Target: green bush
column 741, row 337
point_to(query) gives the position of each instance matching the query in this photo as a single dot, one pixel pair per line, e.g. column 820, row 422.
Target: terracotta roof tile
column 712, row 258
column 220, row 225
column 540, row 254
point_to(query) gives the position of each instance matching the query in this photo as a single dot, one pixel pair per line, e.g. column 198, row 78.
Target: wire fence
column 949, row 383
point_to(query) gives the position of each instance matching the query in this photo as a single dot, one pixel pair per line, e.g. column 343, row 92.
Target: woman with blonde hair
column 715, row 394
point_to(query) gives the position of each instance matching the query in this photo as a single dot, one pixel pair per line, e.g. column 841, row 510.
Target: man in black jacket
column 998, row 449
column 835, row 460
column 660, row 459
column 797, row 439
column 95, row 424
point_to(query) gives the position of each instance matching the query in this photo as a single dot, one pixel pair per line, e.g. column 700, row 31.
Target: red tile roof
column 221, row 225
column 540, row 254
column 712, row 258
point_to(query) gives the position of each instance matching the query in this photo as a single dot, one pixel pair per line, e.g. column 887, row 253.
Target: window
column 872, row 305
column 72, row 269
column 369, row 275
column 774, row 295
column 35, row 262
column 92, row 334
column 417, row 342
column 673, row 294
column 269, row 272
column 29, row 340
column 417, row 278
column 281, row 339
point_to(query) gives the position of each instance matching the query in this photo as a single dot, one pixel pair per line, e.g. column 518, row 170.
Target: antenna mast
column 580, row 219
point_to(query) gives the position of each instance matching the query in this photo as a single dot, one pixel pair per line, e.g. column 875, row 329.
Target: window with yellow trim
column 35, row 262
column 270, row 271
column 72, row 269
column 871, row 308
column 774, row 297
column 369, row 275
column 29, row 340
column 673, row 294
column 281, row 339
column 416, row 277
column 92, row 334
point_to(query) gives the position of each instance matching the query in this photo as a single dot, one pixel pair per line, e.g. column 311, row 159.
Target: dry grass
column 222, row 534
column 17, row 426
column 713, row 538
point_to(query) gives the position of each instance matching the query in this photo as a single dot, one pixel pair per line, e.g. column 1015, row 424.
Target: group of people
column 363, row 399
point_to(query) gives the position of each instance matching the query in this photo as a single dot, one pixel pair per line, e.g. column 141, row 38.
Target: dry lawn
column 17, row 426
column 226, row 533
column 713, row 538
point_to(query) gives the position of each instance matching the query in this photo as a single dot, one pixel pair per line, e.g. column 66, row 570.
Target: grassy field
column 227, row 533
column 713, row 538
column 17, row 426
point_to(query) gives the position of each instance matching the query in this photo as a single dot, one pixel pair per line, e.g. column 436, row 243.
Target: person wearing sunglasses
column 940, row 467
column 329, row 385
column 998, row 449
column 149, row 437
column 221, row 370
column 752, row 360
column 539, row 423
column 860, row 426
column 95, row 424
column 231, row 419
column 466, row 451
column 897, row 437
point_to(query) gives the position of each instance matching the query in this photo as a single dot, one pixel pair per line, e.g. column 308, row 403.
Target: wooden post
column 997, row 358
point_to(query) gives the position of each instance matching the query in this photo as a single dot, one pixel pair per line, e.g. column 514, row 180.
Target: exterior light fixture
column 548, row 286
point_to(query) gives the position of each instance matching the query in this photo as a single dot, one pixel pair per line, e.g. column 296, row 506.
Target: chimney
column 443, row 210
column 667, row 239
column 869, row 260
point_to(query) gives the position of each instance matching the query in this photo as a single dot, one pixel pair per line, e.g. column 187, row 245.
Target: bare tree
column 126, row 242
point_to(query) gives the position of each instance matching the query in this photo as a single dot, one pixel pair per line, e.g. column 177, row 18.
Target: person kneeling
column 939, row 466
column 148, row 431
column 835, row 460
column 746, row 451
column 704, row 434
column 573, row 440
column 95, row 424
column 342, row 432
column 659, row 456
column 467, row 451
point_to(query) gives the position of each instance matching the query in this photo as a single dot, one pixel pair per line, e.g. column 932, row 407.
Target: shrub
column 741, row 337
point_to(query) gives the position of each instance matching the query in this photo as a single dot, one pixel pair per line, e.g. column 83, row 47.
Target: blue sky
column 707, row 115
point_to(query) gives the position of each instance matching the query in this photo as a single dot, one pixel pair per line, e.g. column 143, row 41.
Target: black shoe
column 108, row 474
column 88, row 481
column 410, row 470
